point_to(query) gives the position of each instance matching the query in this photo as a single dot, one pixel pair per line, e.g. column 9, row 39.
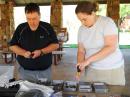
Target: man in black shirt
column 33, row 42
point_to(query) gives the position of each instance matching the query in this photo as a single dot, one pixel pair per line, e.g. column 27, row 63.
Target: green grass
column 124, row 46
column 70, row 45
column 75, row 46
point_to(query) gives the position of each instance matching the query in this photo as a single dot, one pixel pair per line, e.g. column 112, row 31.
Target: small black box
column 100, row 87
column 70, row 86
column 85, row 87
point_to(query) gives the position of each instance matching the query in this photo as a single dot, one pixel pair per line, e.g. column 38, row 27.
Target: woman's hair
column 32, row 7
column 86, row 7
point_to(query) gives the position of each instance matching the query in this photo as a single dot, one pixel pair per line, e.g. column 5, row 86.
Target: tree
column 124, row 10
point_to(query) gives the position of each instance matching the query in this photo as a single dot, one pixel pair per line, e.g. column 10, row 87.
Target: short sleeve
column 110, row 27
column 53, row 36
column 15, row 38
column 80, row 35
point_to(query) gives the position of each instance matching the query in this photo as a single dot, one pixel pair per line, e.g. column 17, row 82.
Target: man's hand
column 36, row 54
column 27, row 54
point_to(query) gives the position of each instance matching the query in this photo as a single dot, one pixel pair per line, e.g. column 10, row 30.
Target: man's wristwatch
column 42, row 53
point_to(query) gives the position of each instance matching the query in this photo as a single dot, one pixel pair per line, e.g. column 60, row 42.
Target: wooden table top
column 8, row 52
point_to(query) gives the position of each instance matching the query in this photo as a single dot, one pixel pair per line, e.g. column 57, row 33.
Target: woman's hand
column 83, row 64
column 80, row 68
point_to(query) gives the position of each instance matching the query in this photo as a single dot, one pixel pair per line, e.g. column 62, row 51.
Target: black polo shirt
column 34, row 40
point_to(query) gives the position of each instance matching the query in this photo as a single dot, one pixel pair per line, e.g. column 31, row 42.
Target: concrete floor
column 66, row 69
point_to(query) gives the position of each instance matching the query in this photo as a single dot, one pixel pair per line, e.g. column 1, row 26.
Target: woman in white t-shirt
column 98, row 51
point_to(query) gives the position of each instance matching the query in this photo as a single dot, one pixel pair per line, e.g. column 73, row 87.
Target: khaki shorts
column 112, row 77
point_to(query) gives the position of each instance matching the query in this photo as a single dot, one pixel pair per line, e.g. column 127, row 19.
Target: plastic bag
column 30, row 93
column 6, row 73
column 28, row 89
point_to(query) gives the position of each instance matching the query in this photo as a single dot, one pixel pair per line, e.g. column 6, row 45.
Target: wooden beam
column 2, row 1
column 72, row 2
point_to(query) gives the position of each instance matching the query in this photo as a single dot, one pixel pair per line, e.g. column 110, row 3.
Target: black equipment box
column 70, row 86
column 100, row 87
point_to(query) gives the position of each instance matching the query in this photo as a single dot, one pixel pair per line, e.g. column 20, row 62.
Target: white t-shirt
column 93, row 40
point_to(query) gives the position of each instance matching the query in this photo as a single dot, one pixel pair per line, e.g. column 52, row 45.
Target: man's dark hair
column 86, row 7
column 32, row 7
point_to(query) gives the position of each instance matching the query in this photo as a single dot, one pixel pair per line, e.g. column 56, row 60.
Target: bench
column 5, row 55
column 56, row 56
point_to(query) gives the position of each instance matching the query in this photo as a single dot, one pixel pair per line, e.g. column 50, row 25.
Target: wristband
column 42, row 53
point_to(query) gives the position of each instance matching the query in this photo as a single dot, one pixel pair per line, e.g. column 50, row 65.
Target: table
column 114, row 91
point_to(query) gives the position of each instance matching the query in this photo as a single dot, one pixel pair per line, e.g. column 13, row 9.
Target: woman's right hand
column 78, row 73
column 83, row 64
